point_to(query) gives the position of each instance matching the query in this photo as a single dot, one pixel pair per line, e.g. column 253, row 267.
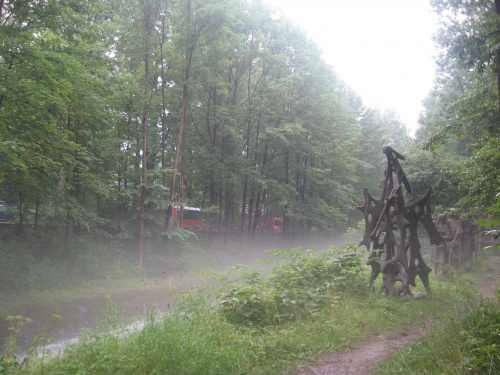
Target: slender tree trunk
column 258, row 208
column 497, row 10
column 144, row 178
column 244, row 205
column 177, row 153
column 260, row 192
column 20, row 227
column 70, row 188
column 297, row 188
column 287, row 182
column 186, row 75
column 164, row 106
column 127, row 151
column 247, row 140
column 498, row 85
column 37, row 206
column 250, row 212
column 304, row 181
column 181, row 186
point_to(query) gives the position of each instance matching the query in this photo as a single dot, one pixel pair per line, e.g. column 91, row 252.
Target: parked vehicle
column 272, row 225
column 192, row 218
column 5, row 212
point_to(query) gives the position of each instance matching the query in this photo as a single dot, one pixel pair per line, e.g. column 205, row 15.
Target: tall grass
column 464, row 344
column 308, row 304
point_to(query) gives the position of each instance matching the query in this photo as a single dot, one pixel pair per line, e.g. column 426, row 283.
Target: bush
column 294, row 288
column 480, row 336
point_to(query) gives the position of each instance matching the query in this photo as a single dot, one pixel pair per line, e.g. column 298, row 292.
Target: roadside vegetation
column 468, row 344
column 465, row 344
column 254, row 320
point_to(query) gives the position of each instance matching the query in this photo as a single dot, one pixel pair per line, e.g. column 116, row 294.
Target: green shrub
column 480, row 336
column 294, row 288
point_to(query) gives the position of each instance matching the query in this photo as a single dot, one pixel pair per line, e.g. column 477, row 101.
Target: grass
column 307, row 305
column 194, row 338
column 466, row 342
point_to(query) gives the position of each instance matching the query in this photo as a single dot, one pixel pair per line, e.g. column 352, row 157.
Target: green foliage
column 466, row 344
column 8, row 359
column 269, row 126
column 294, row 289
column 492, row 220
column 9, row 362
column 462, row 115
column 441, row 170
column 482, row 172
column 480, row 337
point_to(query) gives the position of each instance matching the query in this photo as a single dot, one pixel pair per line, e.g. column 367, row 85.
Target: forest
column 114, row 112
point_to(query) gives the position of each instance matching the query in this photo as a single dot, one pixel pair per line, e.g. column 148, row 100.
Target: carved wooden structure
column 391, row 230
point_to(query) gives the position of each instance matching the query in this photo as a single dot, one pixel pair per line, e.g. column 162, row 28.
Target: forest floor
column 363, row 358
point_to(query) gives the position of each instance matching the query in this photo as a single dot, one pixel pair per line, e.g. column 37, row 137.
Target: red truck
column 272, row 225
column 191, row 218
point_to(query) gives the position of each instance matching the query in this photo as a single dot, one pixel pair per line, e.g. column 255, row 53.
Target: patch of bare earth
column 363, row 358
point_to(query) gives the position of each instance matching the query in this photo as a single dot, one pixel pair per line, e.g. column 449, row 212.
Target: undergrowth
column 295, row 288
column 252, row 322
column 465, row 343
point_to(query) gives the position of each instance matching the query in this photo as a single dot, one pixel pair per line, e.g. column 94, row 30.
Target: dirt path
column 363, row 359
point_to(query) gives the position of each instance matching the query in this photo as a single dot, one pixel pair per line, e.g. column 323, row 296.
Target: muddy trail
column 363, row 358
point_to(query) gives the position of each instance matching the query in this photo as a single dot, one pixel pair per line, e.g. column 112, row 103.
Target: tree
column 51, row 69
column 465, row 103
column 112, row 111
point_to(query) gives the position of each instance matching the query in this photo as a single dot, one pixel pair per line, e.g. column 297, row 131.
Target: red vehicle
column 272, row 225
column 191, row 217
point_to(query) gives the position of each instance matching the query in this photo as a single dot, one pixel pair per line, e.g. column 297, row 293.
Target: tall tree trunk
column 287, row 182
column 297, row 188
column 247, row 140
column 144, row 178
column 181, row 186
column 186, row 75
column 497, row 10
column 37, row 207
column 68, row 196
column 177, row 153
column 164, row 106
column 498, row 85
column 20, row 226
column 250, row 212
